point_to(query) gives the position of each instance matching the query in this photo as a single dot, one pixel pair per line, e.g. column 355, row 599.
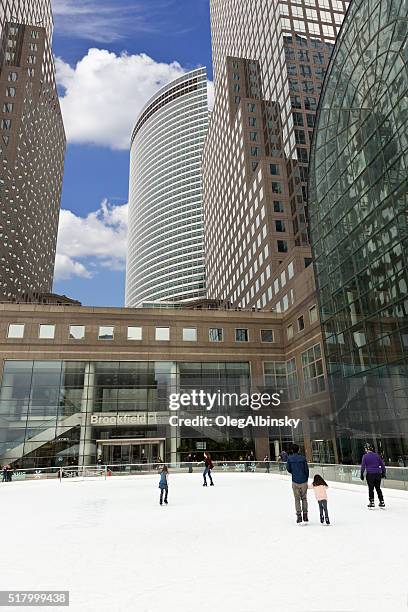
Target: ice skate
column 299, row 518
column 327, row 522
column 305, row 517
column 371, row 504
column 381, row 504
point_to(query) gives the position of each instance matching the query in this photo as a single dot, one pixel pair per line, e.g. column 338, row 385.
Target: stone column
column 86, row 444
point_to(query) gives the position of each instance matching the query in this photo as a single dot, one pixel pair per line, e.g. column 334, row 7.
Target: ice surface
column 233, row 547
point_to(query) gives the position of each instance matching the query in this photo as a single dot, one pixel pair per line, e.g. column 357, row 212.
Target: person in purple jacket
column 373, row 465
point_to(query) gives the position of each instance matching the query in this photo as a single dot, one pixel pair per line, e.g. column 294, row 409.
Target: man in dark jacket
column 374, row 467
column 297, row 466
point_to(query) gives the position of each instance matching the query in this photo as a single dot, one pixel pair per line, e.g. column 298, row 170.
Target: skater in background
column 374, row 468
column 164, row 484
column 320, row 486
column 297, row 466
column 4, row 470
column 282, row 459
column 190, row 463
column 267, row 464
column 207, row 469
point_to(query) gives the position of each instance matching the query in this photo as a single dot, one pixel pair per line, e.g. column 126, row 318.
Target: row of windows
column 313, row 316
column 107, row 332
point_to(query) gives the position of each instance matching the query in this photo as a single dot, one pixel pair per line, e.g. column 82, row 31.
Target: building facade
column 82, row 383
column 269, row 63
column 32, row 149
column 165, row 258
column 359, row 227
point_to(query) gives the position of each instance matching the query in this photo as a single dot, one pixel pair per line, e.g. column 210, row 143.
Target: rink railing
column 397, row 477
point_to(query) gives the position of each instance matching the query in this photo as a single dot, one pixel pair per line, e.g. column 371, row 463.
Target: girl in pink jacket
column 320, row 487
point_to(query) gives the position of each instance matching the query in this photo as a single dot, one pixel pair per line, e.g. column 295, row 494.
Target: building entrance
column 146, row 450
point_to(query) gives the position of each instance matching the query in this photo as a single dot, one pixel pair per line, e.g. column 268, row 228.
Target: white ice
column 233, row 547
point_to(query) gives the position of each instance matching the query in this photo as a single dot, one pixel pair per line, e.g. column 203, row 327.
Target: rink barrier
column 397, row 477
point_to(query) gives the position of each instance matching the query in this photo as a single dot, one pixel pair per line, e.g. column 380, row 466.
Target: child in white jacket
column 320, row 487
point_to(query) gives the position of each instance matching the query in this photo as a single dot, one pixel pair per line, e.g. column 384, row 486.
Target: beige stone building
column 32, row 149
column 79, row 383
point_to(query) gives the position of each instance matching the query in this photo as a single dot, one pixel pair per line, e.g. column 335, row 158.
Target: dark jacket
column 297, row 466
column 372, row 464
column 163, row 484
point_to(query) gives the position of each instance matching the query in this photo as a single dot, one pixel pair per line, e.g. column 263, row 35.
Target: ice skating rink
column 233, row 547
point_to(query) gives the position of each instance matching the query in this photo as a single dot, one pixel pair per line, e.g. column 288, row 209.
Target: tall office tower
column 165, row 257
column 359, row 228
column 32, row 149
column 269, row 59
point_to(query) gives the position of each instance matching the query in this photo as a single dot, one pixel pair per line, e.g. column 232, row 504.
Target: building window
column 106, row 332
column 35, row 34
column 189, row 334
column 254, row 151
column 278, row 207
column 241, row 335
column 276, row 187
column 274, row 169
column 13, row 76
column 313, row 374
column 11, row 92
column 282, row 246
column 46, row 332
column 292, row 380
column 301, row 323
column 15, row 330
column 8, row 107
column 313, row 314
column 6, row 124
column 77, row 332
column 162, row 333
column 289, row 332
column 134, row 333
column 280, row 225
column 267, row 335
column 215, row 334
column 275, row 374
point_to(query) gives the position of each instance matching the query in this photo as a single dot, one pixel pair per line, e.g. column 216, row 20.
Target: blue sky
column 112, row 55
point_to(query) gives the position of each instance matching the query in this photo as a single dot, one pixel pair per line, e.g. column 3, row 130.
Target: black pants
column 374, row 482
column 164, row 492
column 323, row 509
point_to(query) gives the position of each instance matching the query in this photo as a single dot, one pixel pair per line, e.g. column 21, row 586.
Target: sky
column 111, row 57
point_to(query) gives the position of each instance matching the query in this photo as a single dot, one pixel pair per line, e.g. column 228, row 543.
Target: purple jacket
column 372, row 464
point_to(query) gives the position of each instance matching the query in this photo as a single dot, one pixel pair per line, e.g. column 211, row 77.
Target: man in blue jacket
column 297, row 466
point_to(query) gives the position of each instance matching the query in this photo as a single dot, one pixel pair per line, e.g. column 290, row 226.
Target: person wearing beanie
column 373, row 467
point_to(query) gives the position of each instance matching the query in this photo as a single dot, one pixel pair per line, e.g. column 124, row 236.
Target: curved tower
column 165, row 256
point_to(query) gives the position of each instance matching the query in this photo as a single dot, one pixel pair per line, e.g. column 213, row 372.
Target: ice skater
column 374, row 468
column 164, row 484
column 298, row 467
column 320, row 486
column 207, row 469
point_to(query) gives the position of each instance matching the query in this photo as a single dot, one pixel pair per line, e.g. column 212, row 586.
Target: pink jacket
column 320, row 492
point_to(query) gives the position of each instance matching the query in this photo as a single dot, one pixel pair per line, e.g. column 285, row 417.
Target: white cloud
column 103, row 94
column 88, row 243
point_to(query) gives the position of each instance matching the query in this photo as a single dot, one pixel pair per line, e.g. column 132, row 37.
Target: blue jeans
column 323, row 509
column 207, row 472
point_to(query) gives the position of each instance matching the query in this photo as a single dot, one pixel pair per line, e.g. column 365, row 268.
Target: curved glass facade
column 165, row 258
column 359, row 227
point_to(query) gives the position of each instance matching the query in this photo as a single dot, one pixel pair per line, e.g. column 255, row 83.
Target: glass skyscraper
column 165, row 258
column 359, row 228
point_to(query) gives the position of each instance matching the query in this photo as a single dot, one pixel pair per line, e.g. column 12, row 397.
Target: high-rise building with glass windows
column 32, row 149
column 165, row 257
column 359, row 228
column 269, row 63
